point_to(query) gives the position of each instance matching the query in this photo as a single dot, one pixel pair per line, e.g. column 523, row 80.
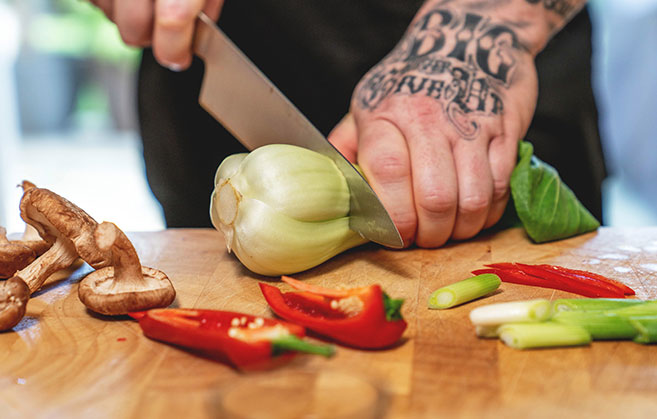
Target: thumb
column 344, row 137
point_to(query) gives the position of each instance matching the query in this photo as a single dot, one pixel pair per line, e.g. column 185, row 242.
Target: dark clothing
column 316, row 52
column 564, row 130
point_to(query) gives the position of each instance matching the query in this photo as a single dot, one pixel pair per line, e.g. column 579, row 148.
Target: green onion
column 464, row 291
column 592, row 304
column 543, row 335
column 646, row 327
column 512, row 312
column 648, row 308
column 600, row 324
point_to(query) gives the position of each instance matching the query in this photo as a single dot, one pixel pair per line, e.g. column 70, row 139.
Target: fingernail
column 174, row 67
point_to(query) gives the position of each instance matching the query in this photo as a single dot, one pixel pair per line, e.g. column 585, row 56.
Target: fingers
column 166, row 24
column 134, row 18
column 434, row 188
column 383, row 156
column 475, row 187
column 344, row 137
column 174, row 30
column 502, row 155
column 107, row 6
column 213, row 8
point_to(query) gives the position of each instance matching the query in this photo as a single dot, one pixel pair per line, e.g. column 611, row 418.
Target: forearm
column 533, row 21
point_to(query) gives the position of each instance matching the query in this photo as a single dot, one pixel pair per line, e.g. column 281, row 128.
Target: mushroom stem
column 124, row 286
column 61, row 255
column 124, row 256
column 32, row 240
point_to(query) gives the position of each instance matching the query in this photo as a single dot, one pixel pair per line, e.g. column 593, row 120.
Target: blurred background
column 68, row 111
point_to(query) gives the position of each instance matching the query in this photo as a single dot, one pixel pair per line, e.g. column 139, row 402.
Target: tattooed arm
column 435, row 125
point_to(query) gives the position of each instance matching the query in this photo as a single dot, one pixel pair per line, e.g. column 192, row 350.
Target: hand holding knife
column 239, row 96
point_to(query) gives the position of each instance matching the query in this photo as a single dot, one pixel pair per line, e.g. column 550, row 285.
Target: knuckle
column 389, row 167
column 474, row 203
column 436, row 202
column 500, row 189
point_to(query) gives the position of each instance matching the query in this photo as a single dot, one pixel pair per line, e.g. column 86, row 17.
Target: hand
column 167, row 25
column 435, row 125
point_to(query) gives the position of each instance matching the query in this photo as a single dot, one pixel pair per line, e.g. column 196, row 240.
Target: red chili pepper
column 578, row 285
column 245, row 341
column 556, row 277
column 516, row 276
column 592, row 275
column 359, row 317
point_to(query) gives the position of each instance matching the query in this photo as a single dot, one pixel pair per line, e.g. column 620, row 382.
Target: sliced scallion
column 648, row 308
column 511, row 312
column 464, row 291
column 646, row 327
column 592, row 304
column 542, row 335
column 600, row 324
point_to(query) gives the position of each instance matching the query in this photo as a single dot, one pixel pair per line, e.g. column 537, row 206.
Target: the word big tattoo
column 460, row 61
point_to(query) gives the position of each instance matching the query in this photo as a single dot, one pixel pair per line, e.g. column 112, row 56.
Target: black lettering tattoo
column 461, row 61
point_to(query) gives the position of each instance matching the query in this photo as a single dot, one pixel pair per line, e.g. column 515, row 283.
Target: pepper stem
column 293, row 343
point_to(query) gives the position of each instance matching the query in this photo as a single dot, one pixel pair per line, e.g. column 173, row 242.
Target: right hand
column 166, row 25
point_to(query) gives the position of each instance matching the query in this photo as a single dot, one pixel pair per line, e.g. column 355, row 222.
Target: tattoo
column 461, row 61
column 563, row 8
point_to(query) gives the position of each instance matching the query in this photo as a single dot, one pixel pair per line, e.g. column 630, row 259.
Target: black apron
column 316, row 52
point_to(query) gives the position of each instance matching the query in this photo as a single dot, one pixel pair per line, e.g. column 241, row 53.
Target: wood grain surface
column 62, row 361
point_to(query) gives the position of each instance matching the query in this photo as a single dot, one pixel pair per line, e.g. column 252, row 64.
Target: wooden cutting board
column 63, row 361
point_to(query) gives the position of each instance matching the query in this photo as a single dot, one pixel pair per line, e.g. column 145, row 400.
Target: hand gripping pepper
column 247, row 342
column 359, row 317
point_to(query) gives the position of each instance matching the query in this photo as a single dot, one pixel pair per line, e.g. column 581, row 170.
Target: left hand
column 166, row 25
column 435, row 128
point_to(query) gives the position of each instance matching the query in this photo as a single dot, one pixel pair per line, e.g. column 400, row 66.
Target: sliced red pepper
column 547, row 276
column 245, row 341
column 516, row 276
column 596, row 288
column 591, row 275
column 359, row 317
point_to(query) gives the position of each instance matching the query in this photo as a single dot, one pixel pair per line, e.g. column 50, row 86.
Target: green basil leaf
column 547, row 208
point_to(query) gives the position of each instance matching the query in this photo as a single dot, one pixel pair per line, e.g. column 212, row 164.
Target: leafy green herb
column 547, row 208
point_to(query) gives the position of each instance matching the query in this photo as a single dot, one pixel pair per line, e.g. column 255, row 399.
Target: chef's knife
column 248, row 105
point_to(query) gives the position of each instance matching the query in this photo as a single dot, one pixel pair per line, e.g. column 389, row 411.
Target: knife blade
column 236, row 93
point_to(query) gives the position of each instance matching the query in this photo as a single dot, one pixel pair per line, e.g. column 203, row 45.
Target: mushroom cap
column 100, row 292
column 14, row 295
column 14, row 256
column 54, row 216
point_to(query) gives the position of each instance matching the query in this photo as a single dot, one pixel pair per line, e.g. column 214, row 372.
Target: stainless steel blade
column 248, row 105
